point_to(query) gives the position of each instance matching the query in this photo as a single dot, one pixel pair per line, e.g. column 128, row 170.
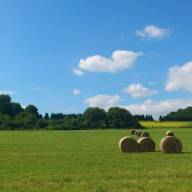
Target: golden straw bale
column 170, row 133
column 132, row 131
column 145, row 134
column 139, row 133
column 128, row 144
column 170, row 144
column 146, row 144
column 136, row 132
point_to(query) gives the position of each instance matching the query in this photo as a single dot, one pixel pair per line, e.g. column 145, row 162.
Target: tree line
column 13, row 116
column 179, row 115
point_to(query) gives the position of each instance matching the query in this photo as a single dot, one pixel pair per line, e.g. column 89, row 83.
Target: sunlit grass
column 89, row 161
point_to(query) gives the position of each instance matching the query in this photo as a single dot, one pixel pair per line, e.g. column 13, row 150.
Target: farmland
column 166, row 124
column 77, row 161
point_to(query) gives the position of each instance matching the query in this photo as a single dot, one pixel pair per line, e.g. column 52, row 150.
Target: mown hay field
column 90, row 161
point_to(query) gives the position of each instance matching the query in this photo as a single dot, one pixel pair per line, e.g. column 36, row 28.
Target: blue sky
column 42, row 44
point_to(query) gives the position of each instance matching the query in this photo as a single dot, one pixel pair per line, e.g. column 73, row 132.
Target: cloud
column 77, row 72
column 76, row 92
column 148, row 107
column 9, row 92
column 180, row 77
column 120, row 60
column 103, row 101
column 157, row 108
column 138, row 91
column 152, row 31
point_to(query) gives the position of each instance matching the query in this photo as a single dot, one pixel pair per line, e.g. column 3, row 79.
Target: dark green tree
column 95, row 117
column 5, row 104
column 15, row 109
column 46, row 117
column 120, row 118
column 160, row 118
column 42, row 123
column 25, row 121
column 32, row 110
column 5, row 122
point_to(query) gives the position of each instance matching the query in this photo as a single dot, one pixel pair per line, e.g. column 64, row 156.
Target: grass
column 166, row 124
column 89, row 161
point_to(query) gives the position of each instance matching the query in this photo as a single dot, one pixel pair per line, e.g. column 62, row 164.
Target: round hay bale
column 132, row 131
column 170, row 133
column 146, row 144
column 136, row 132
column 145, row 134
column 128, row 144
column 170, row 144
column 139, row 133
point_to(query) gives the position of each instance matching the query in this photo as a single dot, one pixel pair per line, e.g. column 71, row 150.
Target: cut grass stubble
column 78, row 161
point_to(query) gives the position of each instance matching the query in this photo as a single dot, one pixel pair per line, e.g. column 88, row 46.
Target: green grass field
column 90, row 161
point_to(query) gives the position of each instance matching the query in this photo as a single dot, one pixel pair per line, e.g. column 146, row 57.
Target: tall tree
column 15, row 109
column 46, row 117
column 32, row 109
column 95, row 117
column 5, row 104
column 120, row 118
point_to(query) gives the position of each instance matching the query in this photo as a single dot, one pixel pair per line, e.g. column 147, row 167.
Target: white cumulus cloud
column 76, row 92
column 148, row 107
column 152, row 31
column 120, row 60
column 157, row 108
column 138, row 91
column 103, row 101
column 180, row 77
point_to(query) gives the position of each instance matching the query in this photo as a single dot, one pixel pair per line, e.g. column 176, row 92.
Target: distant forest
column 179, row 115
column 14, row 117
